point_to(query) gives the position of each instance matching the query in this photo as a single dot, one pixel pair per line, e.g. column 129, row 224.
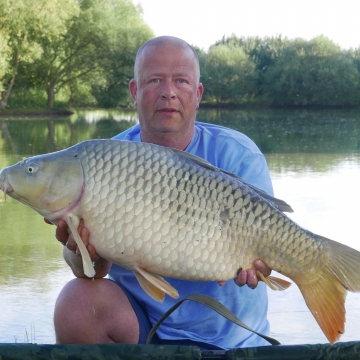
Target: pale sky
column 203, row 22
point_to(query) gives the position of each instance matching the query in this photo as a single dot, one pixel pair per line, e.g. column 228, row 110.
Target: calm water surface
column 314, row 162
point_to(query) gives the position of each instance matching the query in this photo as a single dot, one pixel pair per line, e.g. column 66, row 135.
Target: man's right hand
column 67, row 239
column 72, row 253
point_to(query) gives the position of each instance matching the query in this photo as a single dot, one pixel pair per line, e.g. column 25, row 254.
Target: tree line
column 69, row 53
column 281, row 72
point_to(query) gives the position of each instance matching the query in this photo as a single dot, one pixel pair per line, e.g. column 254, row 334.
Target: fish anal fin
column 274, row 283
column 154, row 285
column 325, row 298
column 72, row 223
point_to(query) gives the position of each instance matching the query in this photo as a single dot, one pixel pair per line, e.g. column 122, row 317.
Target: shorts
column 145, row 327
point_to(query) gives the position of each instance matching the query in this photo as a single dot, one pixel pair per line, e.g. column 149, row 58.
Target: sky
column 203, row 22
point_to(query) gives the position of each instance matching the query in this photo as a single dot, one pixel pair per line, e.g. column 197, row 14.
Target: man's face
column 167, row 91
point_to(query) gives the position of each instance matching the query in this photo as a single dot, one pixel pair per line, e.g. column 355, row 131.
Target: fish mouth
column 5, row 186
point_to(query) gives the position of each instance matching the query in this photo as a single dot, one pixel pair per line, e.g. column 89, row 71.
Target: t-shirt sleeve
column 243, row 158
column 131, row 134
column 254, row 170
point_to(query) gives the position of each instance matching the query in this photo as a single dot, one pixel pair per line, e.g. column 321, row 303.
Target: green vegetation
column 281, row 72
column 71, row 54
column 70, row 51
column 228, row 74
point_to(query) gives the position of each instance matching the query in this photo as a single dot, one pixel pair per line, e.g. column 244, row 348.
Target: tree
column 228, row 74
column 24, row 24
column 263, row 52
column 312, row 72
column 355, row 57
column 4, row 58
column 98, row 45
column 201, row 53
column 117, row 65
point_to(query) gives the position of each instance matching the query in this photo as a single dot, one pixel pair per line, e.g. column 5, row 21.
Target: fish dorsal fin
column 198, row 160
column 154, row 285
column 73, row 222
column 274, row 283
column 279, row 204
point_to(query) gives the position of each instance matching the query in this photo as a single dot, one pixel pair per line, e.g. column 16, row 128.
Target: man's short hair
column 163, row 40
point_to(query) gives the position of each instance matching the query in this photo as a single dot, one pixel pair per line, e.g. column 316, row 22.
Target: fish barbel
column 159, row 211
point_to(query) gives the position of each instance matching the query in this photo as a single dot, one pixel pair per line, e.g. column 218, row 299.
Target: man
column 167, row 92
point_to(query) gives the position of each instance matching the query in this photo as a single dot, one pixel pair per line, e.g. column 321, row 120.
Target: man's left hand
column 248, row 277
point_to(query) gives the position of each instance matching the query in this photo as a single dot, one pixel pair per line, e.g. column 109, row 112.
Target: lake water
column 314, row 161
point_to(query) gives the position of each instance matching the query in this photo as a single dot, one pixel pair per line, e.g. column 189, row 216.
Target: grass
column 29, row 338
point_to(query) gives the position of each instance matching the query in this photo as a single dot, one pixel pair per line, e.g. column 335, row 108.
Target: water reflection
column 313, row 158
column 289, row 131
column 101, row 114
column 40, row 135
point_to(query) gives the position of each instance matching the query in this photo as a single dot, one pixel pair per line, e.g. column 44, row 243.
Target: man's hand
column 248, row 277
column 67, row 239
column 72, row 253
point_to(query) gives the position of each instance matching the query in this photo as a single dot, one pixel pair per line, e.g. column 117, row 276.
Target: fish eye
column 32, row 168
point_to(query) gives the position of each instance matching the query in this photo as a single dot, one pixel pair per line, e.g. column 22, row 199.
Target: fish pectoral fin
column 154, row 285
column 153, row 291
column 73, row 222
column 274, row 283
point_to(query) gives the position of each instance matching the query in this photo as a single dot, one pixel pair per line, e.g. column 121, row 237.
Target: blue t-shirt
column 234, row 152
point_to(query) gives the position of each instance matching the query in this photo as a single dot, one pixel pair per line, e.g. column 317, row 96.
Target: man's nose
column 168, row 90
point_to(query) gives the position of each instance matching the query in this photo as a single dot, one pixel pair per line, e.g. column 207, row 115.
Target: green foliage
column 312, row 73
column 263, row 52
column 68, row 53
column 354, row 54
column 98, row 48
column 25, row 24
column 86, row 47
column 118, row 61
column 302, row 73
column 79, row 94
column 229, row 74
column 28, row 98
column 4, row 57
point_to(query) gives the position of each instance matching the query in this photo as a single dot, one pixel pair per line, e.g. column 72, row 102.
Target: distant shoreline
column 35, row 113
column 275, row 107
column 24, row 112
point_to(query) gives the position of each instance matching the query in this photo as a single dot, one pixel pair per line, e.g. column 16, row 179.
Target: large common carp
column 159, row 211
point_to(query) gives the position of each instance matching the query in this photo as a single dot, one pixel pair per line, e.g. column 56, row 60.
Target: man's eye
column 181, row 81
column 155, row 81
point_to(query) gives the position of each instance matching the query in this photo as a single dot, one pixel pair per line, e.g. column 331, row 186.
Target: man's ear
column 133, row 89
column 199, row 92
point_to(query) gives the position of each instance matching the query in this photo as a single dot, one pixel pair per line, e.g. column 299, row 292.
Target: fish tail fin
column 344, row 264
column 326, row 300
column 325, row 296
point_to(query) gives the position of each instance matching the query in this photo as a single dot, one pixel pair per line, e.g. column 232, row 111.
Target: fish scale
column 182, row 198
column 160, row 211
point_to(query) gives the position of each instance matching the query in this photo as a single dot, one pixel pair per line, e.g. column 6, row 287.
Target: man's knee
column 96, row 311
